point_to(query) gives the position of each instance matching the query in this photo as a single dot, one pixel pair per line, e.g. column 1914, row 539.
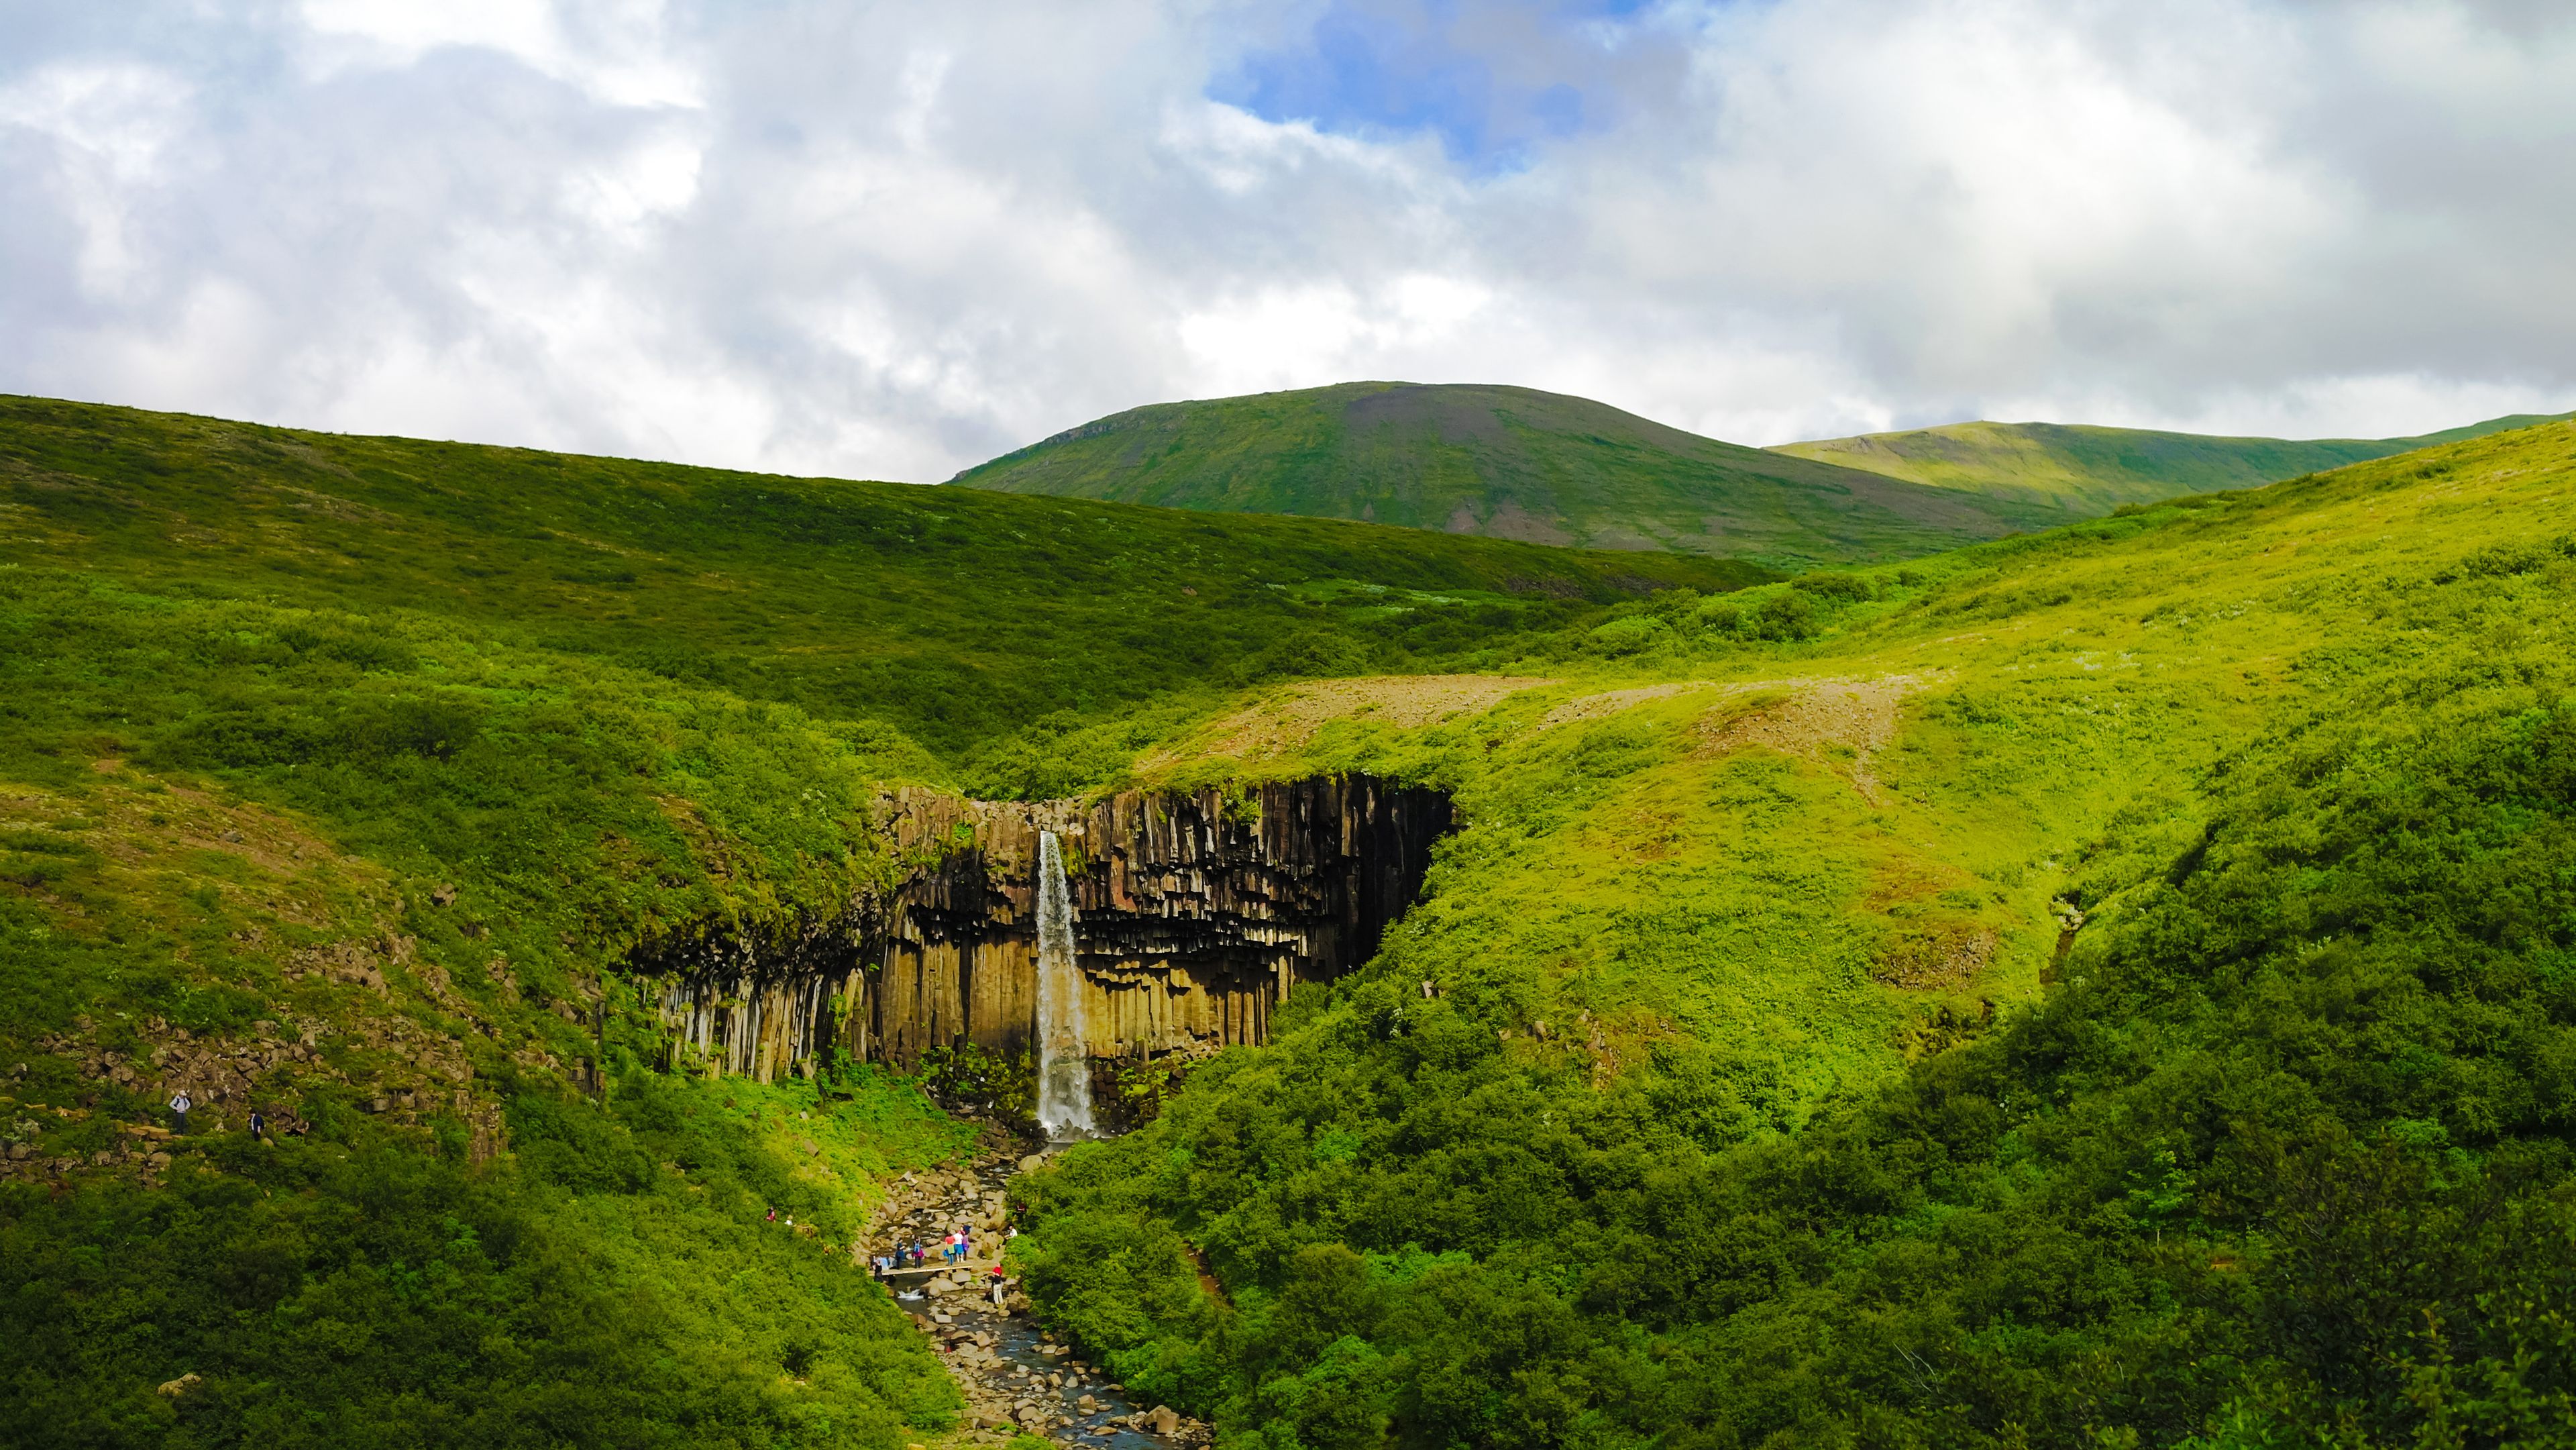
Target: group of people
column 957, row 1248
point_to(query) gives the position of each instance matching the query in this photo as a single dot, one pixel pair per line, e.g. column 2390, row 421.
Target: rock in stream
column 1014, row 1375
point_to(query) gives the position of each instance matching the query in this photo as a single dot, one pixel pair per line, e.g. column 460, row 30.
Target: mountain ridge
column 2084, row 467
column 1502, row 461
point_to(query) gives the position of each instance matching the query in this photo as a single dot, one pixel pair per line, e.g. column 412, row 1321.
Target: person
column 773, row 1215
column 258, row 1126
column 995, row 1278
column 965, row 1242
column 180, row 1103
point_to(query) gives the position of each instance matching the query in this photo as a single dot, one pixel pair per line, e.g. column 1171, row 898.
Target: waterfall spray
column 1064, row 1055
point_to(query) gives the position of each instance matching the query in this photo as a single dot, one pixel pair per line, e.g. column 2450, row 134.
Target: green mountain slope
column 1507, row 462
column 2109, row 987
column 336, row 773
column 955, row 615
column 2086, row 470
column 2102, row 987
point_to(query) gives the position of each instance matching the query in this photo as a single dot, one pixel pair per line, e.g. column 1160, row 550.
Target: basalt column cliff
column 1194, row 915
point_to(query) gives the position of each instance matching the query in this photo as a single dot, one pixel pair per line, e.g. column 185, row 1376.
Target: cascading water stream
column 1064, row 1056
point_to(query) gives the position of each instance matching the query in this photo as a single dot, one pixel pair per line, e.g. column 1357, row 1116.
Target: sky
column 891, row 240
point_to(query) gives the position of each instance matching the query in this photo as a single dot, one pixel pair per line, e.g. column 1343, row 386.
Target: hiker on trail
column 180, row 1103
column 996, row 1281
column 258, row 1126
column 965, row 1242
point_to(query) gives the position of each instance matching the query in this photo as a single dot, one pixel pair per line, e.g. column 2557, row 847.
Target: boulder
column 180, row 1386
column 1162, row 1420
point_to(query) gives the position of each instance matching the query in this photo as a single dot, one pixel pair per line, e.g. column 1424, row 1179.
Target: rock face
column 1195, row 913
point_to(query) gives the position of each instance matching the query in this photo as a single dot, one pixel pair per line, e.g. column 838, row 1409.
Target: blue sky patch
column 1493, row 82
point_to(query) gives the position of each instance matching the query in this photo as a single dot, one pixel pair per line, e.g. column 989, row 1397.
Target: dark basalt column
column 1195, row 914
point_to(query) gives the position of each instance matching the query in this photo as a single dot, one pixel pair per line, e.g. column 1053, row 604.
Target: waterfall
column 1064, row 1055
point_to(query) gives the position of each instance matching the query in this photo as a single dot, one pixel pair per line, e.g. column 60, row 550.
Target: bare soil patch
column 1858, row 716
column 1291, row 717
column 1611, row 702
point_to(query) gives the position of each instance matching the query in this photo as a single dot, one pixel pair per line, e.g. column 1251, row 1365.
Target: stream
column 1015, row 1376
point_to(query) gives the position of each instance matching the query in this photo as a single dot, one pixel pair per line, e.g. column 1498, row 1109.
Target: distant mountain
column 1513, row 463
column 2085, row 470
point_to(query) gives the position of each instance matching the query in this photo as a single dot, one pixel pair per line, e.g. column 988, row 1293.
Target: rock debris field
column 1016, row 1378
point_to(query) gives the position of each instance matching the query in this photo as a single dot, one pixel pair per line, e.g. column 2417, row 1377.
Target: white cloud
column 616, row 50
column 893, row 240
column 109, row 129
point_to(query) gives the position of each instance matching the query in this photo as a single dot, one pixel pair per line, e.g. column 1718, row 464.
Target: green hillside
column 956, row 616
column 339, row 770
column 2083, row 471
column 1507, row 462
column 2113, row 986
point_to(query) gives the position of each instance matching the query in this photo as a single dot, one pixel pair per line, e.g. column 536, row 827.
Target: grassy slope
column 952, row 615
column 1511, row 462
column 2085, row 470
column 395, row 747
column 248, row 729
column 2216, row 1188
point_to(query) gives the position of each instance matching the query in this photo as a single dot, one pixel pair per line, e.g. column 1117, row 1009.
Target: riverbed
column 1013, row 1374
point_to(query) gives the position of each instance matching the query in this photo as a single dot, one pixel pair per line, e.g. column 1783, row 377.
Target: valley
column 2096, row 986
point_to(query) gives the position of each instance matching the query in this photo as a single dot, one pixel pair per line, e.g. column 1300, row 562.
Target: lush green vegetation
column 2086, row 470
column 952, row 615
column 2100, row 987
column 1508, row 462
column 394, row 749
column 619, row 1284
column 1741, row 1117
